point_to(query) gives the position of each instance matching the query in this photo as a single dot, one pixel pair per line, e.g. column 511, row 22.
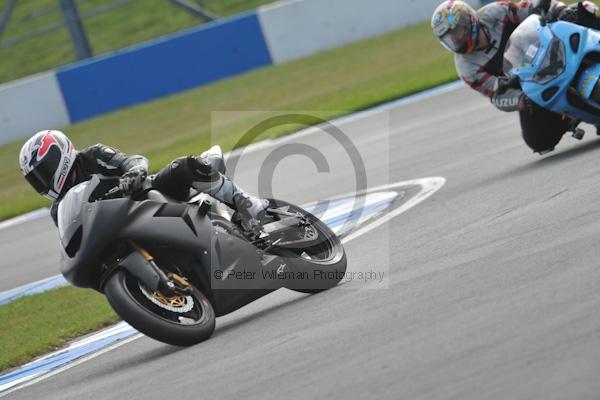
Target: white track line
column 40, row 286
column 30, row 216
column 428, row 187
column 79, row 361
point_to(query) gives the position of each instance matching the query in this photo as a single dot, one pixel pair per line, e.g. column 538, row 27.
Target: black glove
column 586, row 15
column 507, row 82
column 568, row 14
column 582, row 13
column 133, row 180
column 541, row 6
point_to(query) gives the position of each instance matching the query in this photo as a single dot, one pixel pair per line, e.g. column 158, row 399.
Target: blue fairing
column 551, row 93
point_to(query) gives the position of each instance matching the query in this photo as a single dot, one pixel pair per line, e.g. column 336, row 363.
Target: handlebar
column 112, row 193
column 510, row 82
column 514, row 82
column 117, row 191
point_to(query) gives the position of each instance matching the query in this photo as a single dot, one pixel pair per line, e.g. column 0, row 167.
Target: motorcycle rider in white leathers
column 478, row 40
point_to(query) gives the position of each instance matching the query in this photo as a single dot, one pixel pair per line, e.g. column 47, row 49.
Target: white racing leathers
column 481, row 69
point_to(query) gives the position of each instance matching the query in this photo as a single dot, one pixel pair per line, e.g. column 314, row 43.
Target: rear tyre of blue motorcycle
column 176, row 320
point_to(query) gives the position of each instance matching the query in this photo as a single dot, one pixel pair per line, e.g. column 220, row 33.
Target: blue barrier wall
column 169, row 65
column 281, row 32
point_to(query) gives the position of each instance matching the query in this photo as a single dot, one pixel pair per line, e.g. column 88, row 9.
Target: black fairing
column 159, row 224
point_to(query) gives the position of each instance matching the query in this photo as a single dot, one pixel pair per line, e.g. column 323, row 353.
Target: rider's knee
column 214, row 156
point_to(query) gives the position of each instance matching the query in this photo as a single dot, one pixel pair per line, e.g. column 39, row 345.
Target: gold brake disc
column 177, row 303
column 177, row 300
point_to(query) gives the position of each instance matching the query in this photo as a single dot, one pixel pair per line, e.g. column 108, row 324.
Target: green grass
column 134, row 23
column 342, row 80
column 225, row 8
column 32, row 326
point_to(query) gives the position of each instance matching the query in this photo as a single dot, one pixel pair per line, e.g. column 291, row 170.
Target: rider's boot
column 250, row 209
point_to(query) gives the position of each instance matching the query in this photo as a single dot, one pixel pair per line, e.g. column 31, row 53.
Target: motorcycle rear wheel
column 323, row 261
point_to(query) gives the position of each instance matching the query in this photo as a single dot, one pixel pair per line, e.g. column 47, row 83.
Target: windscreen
column 70, row 207
column 523, row 46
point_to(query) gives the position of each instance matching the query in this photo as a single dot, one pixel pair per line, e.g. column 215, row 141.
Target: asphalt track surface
column 493, row 292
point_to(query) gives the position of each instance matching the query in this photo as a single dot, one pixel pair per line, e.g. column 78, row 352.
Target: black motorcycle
column 169, row 268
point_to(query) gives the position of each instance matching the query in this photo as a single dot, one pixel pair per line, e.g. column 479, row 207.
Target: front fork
column 142, row 265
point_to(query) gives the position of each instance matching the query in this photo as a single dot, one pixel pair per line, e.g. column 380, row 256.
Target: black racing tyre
column 322, row 261
column 179, row 320
column 542, row 142
column 541, row 129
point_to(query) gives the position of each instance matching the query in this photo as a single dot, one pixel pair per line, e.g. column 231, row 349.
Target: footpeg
column 578, row 133
column 204, row 207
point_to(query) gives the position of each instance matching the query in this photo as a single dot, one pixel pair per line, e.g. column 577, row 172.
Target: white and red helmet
column 46, row 161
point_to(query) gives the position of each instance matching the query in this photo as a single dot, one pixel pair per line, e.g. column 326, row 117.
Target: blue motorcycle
column 557, row 65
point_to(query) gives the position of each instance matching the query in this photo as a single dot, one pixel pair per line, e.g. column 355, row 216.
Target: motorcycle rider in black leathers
column 52, row 166
column 478, row 40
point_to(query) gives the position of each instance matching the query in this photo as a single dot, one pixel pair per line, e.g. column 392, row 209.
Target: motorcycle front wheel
column 180, row 320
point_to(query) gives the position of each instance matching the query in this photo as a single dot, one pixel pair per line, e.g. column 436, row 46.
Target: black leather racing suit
column 103, row 160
